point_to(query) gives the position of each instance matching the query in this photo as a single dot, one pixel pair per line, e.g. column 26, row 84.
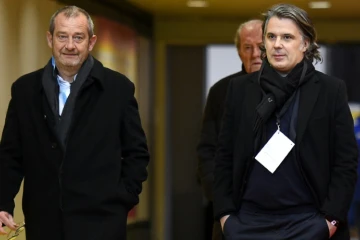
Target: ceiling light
column 319, row 5
column 197, row 3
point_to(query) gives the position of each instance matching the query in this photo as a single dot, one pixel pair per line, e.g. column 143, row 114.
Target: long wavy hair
column 302, row 20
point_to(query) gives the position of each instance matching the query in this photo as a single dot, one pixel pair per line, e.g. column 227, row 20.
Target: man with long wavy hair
column 286, row 163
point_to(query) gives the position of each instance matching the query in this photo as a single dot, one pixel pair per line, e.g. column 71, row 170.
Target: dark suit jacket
column 85, row 192
column 211, row 125
column 325, row 146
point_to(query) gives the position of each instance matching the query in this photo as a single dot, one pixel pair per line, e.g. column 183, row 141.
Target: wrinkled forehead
column 251, row 35
column 76, row 22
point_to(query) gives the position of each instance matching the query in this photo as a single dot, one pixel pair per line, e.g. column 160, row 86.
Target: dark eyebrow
column 289, row 35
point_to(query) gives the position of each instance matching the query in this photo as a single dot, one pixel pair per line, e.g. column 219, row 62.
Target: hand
column 223, row 220
column 7, row 219
column 332, row 229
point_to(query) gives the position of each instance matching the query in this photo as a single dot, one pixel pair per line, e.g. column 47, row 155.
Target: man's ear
column 49, row 39
column 92, row 42
column 306, row 45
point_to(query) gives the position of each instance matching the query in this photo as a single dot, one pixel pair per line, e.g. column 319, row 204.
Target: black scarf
column 52, row 94
column 277, row 91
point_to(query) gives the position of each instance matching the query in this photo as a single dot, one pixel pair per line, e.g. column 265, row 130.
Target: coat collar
column 309, row 93
column 97, row 74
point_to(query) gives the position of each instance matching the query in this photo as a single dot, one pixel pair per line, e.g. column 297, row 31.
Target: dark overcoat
column 86, row 191
column 325, row 146
column 206, row 148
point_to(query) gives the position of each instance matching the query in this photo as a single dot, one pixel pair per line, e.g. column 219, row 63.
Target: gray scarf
column 51, row 88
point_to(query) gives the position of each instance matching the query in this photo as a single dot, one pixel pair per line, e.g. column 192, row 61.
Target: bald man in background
column 248, row 39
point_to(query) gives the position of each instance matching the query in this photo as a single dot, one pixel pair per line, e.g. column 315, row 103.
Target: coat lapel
column 252, row 99
column 43, row 121
column 41, row 110
column 85, row 102
column 88, row 95
column 308, row 96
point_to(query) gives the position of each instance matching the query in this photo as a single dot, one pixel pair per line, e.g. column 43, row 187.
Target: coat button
column 45, row 117
column 54, row 145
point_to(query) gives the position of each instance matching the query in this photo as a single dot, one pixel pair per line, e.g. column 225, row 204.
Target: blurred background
column 173, row 50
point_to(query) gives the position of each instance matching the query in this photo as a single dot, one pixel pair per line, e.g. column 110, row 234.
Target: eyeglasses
column 13, row 235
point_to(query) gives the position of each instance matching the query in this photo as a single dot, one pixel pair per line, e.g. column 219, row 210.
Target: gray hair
column 302, row 20
column 238, row 31
column 72, row 12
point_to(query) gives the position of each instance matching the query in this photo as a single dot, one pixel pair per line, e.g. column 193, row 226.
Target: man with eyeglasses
column 73, row 133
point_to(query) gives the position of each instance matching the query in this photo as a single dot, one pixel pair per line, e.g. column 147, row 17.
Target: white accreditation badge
column 275, row 151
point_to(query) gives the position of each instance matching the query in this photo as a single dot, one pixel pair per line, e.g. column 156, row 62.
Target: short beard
column 71, row 64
